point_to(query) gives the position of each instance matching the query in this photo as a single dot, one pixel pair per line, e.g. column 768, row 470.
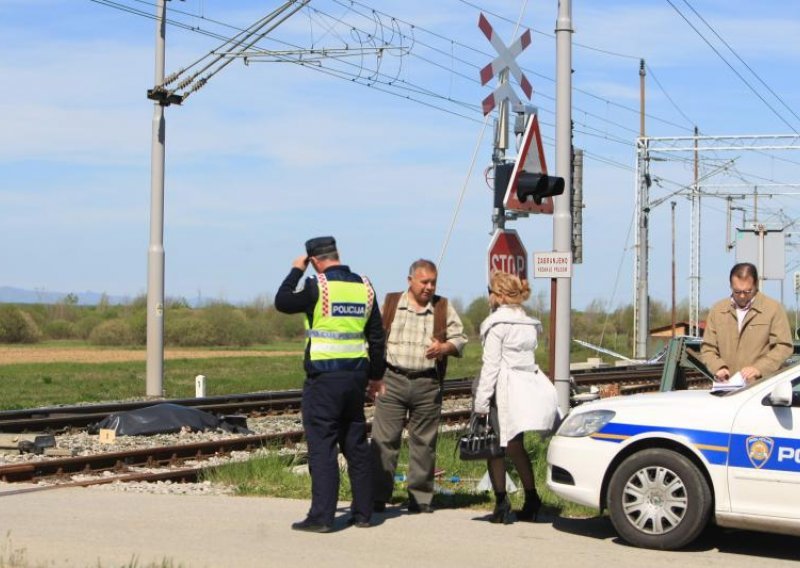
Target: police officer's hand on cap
column 301, row 262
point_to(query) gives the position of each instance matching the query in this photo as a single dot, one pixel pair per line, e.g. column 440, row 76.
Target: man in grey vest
column 422, row 331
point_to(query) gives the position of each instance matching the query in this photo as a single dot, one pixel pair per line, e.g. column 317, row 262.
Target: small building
column 681, row 328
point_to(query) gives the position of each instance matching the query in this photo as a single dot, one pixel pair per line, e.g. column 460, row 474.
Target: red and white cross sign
column 507, row 254
column 505, row 60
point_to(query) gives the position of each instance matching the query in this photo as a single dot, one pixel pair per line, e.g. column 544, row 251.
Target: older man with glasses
column 748, row 332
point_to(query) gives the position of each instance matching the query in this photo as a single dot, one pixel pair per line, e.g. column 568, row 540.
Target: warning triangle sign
column 530, row 160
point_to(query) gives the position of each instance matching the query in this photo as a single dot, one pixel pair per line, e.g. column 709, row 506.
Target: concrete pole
column 796, row 297
column 694, row 249
column 672, row 205
column 642, row 311
column 562, row 215
column 155, row 253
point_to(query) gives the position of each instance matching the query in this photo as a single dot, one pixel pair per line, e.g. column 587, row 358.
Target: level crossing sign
column 504, row 60
column 530, row 160
column 507, row 254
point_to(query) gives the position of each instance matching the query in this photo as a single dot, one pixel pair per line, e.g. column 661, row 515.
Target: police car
column 666, row 464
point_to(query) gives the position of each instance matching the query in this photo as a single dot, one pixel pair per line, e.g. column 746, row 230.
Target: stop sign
column 507, row 254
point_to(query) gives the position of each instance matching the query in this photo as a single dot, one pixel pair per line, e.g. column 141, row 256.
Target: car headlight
column 585, row 423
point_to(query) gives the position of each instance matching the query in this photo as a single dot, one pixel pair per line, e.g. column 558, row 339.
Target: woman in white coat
column 511, row 385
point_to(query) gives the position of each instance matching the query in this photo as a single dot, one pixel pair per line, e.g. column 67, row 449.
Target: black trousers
column 333, row 418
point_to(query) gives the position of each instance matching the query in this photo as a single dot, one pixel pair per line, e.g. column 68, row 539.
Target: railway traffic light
column 538, row 186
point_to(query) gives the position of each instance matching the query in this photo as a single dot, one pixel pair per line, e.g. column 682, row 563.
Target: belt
column 409, row 374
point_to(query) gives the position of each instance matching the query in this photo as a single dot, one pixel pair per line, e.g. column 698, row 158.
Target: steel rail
column 164, row 456
column 60, row 418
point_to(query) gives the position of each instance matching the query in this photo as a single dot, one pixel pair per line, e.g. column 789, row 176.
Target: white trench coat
column 526, row 399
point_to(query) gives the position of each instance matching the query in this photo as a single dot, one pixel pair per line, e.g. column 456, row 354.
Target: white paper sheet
column 735, row 382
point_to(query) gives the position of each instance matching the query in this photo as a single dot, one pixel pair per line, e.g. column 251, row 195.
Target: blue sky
column 269, row 154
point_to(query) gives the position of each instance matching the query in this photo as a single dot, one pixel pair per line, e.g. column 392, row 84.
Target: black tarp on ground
column 163, row 418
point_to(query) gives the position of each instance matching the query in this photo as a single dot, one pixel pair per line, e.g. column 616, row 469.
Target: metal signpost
column 528, row 188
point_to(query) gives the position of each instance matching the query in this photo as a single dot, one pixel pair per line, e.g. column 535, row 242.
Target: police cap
column 320, row 245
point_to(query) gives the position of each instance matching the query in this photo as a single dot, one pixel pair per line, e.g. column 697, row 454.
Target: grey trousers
column 419, row 401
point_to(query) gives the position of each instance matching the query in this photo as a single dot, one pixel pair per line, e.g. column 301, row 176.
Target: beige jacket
column 764, row 342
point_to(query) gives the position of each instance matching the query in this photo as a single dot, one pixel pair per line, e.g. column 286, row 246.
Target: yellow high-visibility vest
column 336, row 338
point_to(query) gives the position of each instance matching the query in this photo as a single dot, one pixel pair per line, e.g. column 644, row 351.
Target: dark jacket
column 289, row 300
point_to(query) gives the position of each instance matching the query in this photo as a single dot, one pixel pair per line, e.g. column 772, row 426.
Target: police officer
column 344, row 360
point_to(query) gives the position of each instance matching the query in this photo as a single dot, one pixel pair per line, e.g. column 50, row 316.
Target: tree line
column 222, row 324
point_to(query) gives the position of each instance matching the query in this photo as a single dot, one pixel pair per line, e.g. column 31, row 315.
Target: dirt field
column 11, row 355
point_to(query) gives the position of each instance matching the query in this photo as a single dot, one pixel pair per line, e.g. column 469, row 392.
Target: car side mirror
column 781, row 395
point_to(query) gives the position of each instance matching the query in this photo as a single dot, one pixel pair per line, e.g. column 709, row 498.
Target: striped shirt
column 412, row 333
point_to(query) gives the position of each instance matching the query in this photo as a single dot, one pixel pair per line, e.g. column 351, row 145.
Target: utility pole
column 796, row 295
column 163, row 97
column 562, row 216
column 499, row 154
column 672, row 204
column 155, row 253
column 641, row 304
column 694, row 253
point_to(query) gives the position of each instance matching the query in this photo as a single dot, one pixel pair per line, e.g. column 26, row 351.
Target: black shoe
column 530, row 510
column 378, row 506
column 414, row 507
column 308, row 525
column 352, row 522
column 502, row 513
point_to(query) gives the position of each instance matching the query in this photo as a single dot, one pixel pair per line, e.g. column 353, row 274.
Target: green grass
column 271, row 475
column 83, row 344
column 41, row 384
column 30, row 385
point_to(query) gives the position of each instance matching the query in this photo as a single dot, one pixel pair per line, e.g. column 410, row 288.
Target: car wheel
column 658, row 498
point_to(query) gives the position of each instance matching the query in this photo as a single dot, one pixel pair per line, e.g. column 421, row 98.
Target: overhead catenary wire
column 247, row 40
column 402, row 87
column 742, row 61
column 483, row 53
column 732, row 68
column 388, row 82
column 391, row 82
column 652, row 75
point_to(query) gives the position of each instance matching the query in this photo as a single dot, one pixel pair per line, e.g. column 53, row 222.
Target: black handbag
column 481, row 441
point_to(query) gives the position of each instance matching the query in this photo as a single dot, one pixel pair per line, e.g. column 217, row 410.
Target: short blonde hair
column 508, row 288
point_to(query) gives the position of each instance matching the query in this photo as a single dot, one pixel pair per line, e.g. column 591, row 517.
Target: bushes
column 272, row 325
column 216, row 324
column 229, row 324
column 138, row 322
column 17, row 326
column 111, row 332
column 188, row 331
column 85, row 325
column 60, row 329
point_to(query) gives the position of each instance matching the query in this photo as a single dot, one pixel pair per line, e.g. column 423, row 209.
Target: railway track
column 110, row 467
column 641, row 378
column 171, row 461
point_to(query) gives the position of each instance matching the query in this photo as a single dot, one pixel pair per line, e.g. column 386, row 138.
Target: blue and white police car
column 666, row 464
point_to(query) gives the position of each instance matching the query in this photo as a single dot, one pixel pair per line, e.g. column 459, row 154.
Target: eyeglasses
column 742, row 292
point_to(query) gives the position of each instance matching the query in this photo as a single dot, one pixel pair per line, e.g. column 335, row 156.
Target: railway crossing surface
column 99, row 527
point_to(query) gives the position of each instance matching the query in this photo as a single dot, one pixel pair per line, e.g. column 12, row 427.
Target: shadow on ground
column 726, row 541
